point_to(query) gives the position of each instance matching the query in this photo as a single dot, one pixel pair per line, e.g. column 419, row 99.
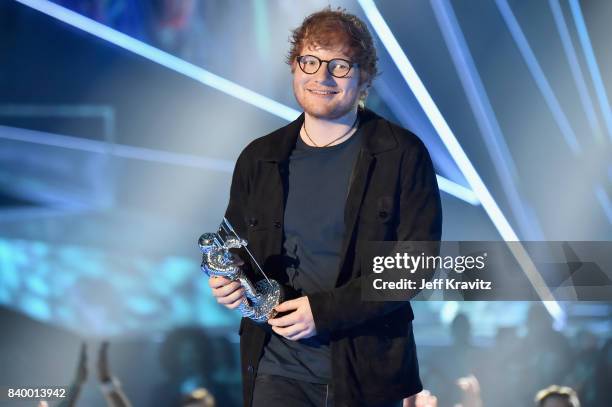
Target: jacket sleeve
column 420, row 219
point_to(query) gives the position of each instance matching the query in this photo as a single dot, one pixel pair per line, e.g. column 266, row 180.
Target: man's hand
column 104, row 374
column 81, row 372
column 297, row 325
column 227, row 292
column 422, row 399
column 471, row 391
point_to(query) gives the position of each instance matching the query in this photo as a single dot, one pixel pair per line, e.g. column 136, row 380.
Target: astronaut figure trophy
column 217, row 260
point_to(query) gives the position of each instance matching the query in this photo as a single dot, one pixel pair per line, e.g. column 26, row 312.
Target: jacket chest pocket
column 377, row 219
column 264, row 209
column 260, row 221
column 255, row 222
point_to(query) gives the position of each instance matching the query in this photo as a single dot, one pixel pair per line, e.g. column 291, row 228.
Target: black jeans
column 278, row 391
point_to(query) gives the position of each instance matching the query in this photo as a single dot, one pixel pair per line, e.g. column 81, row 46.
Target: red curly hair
column 332, row 28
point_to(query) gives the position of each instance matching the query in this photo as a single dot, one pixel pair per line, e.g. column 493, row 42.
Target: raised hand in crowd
column 470, row 390
column 422, row 399
column 80, row 377
column 111, row 388
column 110, row 385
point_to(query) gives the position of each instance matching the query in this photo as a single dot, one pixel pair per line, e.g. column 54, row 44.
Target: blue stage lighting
column 572, row 59
column 538, row 75
column 161, row 57
column 452, row 144
column 195, row 72
column 459, row 191
column 115, row 149
column 485, row 115
column 604, row 201
column 589, row 55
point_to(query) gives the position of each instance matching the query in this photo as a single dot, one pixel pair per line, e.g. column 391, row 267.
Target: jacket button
column 250, row 368
column 252, row 222
column 383, row 214
column 277, row 224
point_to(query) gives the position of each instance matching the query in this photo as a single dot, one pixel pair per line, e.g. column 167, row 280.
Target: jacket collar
column 377, row 137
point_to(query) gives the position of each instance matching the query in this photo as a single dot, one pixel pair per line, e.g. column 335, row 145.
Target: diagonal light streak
column 114, row 149
column 572, row 59
column 197, row 73
column 604, row 201
column 538, row 75
column 161, row 57
column 457, row 190
column 484, row 113
column 165, row 157
column 589, row 54
column 452, row 144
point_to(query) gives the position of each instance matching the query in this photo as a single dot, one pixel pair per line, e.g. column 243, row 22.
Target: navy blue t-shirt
column 313, row 234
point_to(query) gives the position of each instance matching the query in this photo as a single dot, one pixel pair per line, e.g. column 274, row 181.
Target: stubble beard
column 322, row 110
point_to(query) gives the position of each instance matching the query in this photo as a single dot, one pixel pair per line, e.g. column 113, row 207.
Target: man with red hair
column 307, row 197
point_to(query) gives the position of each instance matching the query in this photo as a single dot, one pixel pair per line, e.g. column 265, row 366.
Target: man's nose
column 323, row 75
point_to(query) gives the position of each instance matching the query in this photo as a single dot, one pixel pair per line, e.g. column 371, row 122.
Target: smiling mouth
column 323, row 92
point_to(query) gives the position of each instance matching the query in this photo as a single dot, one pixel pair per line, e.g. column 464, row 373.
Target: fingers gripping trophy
column 217, row 260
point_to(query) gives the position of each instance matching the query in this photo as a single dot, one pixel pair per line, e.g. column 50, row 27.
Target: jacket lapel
column 375, row 140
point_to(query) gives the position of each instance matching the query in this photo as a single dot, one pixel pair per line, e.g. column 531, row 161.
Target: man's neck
column 323, row 131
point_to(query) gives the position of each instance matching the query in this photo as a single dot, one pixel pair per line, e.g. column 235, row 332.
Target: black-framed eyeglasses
column 336, row 67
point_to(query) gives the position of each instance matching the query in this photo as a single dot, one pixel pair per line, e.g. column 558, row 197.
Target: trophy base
column 270, row 293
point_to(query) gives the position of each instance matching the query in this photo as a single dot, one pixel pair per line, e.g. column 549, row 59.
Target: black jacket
column 393, row 195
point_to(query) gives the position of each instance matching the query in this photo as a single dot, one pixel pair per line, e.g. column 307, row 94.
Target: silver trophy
column 217, row 260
